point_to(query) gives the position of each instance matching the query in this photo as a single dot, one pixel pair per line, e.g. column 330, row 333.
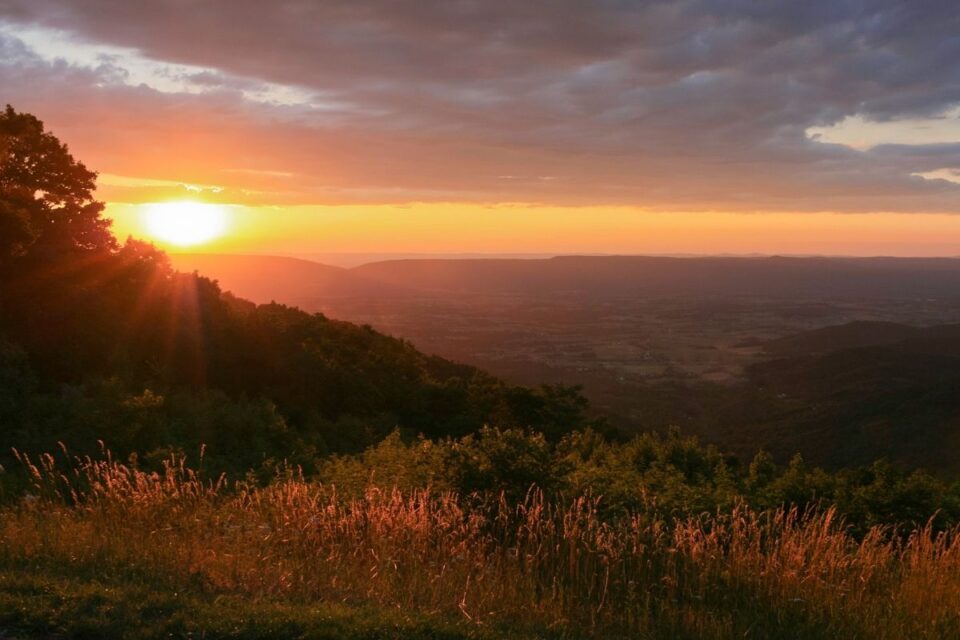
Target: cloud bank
column 700, row 104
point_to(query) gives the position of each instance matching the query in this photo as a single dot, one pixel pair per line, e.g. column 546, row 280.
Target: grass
column 46, row 603
column 105, row 550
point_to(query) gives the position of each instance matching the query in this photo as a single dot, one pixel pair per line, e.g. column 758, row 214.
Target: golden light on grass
column 185, row 223
column 485, row 560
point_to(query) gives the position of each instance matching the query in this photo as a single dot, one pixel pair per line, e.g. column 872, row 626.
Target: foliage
column 538, row 566
column 46, row 197
column 668, row 476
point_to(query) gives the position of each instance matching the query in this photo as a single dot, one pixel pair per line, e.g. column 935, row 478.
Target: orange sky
column 468, row 228
column 423, row 126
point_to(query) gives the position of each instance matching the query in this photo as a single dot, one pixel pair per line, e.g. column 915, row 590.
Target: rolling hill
column 845, row 336
column 612, row 276
column 271, row 278
column 848, row 394
column 265, row 278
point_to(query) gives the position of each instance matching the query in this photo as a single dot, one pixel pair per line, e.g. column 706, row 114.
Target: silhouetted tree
column 46, row 196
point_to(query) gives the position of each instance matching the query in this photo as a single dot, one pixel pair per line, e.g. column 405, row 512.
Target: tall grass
column 538, row 564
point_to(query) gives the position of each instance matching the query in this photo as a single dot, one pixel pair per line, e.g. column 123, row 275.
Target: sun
column 185, row 223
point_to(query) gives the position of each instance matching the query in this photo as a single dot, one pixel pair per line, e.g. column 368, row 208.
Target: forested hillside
column 103, row 340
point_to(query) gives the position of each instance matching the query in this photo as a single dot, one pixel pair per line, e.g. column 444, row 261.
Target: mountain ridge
column 590, row 276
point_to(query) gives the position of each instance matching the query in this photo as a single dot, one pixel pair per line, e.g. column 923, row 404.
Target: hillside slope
column 848, row 394
column 275, row 278
column 119, row 347
column 845, row 336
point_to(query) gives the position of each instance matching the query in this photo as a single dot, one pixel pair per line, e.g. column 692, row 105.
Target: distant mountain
column 302, row 282
column 602, row 276
column 292, row 281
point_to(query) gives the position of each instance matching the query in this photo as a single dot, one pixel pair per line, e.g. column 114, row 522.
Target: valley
column 677, row 342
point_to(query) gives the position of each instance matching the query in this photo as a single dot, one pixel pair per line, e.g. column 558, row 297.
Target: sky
column 564, row 126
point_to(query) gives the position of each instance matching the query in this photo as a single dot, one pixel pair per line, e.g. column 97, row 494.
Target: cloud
column 674, row 105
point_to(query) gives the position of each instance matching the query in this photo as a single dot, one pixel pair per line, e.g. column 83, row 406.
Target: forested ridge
column 103, row 340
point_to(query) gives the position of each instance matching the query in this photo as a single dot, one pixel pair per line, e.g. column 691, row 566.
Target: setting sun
column 185, row 223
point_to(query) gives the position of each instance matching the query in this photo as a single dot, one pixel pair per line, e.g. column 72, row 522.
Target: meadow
column 105, row 549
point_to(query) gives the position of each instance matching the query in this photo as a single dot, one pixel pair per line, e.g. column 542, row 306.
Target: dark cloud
column 694, row 104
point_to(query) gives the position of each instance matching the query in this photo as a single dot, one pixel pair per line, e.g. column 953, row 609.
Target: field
column 615, row 346
column 105, row 550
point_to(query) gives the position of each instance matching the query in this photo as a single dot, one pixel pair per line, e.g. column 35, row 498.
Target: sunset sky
column 541, row 126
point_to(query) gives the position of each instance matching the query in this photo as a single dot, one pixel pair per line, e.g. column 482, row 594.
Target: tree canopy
column 46, row 196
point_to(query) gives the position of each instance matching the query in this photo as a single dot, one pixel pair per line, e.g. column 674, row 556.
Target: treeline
column 665, row 475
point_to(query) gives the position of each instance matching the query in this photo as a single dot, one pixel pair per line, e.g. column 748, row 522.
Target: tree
column 46, row 196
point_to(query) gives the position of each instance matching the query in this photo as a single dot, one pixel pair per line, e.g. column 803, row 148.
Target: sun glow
column 185, row 223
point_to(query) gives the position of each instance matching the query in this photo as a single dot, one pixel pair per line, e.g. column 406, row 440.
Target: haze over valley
column 659, row 342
